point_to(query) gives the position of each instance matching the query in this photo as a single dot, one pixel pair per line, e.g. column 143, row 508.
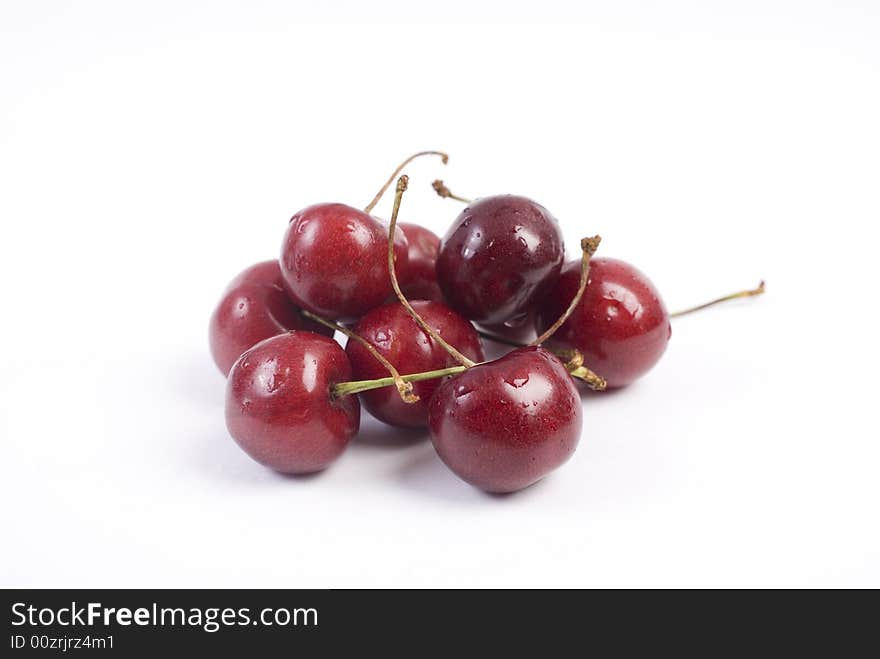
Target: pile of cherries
column 414, row 309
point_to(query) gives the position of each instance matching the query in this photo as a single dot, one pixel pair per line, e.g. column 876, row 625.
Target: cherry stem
column 574, row 364
column 404, row 388
column 733, row 296
column 357, row 386
column 441, row 189
column 402, row 184
column 444, row 157
column 588, row 248
column 594, row 381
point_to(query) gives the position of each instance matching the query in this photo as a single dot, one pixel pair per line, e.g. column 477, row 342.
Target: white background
column 148, row 152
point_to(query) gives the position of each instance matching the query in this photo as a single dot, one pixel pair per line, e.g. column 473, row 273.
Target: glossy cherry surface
column 621, row 325
column 334, row 261
column 253, row 307
column 504, row 425
column 424, row 245
column 499, row 256
column 402, row 342
column 279, row 407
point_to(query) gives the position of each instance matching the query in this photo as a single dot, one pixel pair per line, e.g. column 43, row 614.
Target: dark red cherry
column 253, row 307
column 334, row 261
column 421, row 282
column 279, row 407
column 500, row 255
column 621, row 325
column 504, row 425
column 402, row 342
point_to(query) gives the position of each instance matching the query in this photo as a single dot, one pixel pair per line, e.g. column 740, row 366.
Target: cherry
column 620, row 326
column 501, row 254
column 333, row 261
column 281, row 407
column 333, row 257
column 253, row 307
column 504, row 425
column 396, row 335
column 421, row 280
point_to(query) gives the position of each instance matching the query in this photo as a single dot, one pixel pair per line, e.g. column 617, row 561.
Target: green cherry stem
column 443, row 156
column 402, row 184
column 574, row 360
column 593, row 380
column 733, row 296
column 588, row 248
column 358, row 386
column 404, row 388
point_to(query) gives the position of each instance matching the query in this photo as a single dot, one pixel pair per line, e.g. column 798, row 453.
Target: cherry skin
column 500, row 255
column 402, row 342
column 504, row 425
column 424, row 245
column 334, row 261
column 620, row 326
column 279, row 407
column 254, row 307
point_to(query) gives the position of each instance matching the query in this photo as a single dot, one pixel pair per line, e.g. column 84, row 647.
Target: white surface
column 149, row 154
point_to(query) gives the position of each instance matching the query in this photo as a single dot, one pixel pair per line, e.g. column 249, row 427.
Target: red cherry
column 501, row 254
column 334, row 261
column 394, row 333
column 424, row 245
column 279, row 407
column 621, row 326
column 504, row 425
column 254, row 307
